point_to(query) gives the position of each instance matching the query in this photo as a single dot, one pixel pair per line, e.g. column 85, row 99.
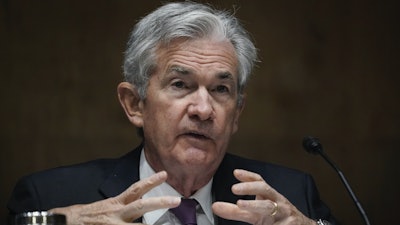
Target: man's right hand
column 124, row 208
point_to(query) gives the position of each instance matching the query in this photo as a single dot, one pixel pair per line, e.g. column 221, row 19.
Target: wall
column 328, row 68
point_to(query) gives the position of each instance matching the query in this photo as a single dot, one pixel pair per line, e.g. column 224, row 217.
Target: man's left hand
column 269, row 207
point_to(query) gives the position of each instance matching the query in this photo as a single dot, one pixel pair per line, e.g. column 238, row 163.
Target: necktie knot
column 186, row 211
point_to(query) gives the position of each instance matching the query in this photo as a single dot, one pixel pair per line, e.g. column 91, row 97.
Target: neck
column 185, row 179
column 187, row 184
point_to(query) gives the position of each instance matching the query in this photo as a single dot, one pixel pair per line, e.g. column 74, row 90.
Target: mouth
column 197, row 135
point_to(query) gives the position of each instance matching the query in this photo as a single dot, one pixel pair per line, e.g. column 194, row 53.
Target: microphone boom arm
column 348, row 188
column 312, row 145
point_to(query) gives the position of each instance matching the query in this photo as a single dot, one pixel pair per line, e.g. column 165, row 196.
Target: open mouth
column 197, row 135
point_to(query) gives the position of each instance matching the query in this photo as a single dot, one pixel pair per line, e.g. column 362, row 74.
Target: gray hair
column 187, row 20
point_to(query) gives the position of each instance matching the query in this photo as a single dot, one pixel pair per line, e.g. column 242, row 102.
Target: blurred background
column 328, row 69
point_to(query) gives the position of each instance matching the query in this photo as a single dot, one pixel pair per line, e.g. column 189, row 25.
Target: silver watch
column 323, row 222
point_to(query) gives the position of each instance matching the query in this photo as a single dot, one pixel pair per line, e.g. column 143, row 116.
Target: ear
column 238, row 112
column 131, row 103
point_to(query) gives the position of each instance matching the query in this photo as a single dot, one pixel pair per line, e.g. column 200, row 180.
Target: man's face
column 191, row 110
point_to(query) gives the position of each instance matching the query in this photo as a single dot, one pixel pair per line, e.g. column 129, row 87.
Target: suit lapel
column 125, row 173
column 222, row 184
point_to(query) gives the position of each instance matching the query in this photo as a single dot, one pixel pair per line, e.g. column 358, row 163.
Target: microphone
column 312, row 145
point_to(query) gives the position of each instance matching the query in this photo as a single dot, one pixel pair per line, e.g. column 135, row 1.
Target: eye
column 178, row 84
column 222, row 89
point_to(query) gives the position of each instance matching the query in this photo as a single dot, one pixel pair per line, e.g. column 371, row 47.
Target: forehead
column 204, row 55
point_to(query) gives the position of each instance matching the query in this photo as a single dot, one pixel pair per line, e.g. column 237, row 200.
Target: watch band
column 323, row 222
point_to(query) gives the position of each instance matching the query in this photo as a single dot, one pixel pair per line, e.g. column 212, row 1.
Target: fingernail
column 238, row 172
column 236, row 188
column 161, row 174
column 175, row 200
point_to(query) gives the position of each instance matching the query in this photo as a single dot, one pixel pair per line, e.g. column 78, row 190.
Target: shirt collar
column 203, row 195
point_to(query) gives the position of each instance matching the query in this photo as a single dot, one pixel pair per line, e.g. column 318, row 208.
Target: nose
column 201, row 106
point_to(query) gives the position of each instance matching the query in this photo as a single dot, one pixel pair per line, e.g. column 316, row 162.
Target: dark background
column 328, row 68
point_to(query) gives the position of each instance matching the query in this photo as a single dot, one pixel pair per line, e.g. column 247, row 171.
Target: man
column 186, row 67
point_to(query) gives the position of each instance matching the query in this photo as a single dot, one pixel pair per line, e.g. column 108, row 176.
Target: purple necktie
column 186, row 211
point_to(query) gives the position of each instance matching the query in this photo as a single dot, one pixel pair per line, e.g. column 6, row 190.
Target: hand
column 269, row 207
column 124, row 208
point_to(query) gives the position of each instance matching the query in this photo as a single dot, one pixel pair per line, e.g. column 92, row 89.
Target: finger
column 246, row 176
column 231, row 211
column 136, row 190
column 139, row 207
column 262, row 207
column 260, row 189
column 253, row 184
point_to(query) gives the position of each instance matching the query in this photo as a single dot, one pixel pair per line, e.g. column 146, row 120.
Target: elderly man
column 186, row 67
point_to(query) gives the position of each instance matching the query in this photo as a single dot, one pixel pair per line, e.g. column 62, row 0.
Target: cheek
column 163, row 116
column 231, row 115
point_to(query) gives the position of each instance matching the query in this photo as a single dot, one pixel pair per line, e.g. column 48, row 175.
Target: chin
column 195, row 156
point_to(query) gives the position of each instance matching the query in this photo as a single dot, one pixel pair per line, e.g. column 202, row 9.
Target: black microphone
column 312, row 145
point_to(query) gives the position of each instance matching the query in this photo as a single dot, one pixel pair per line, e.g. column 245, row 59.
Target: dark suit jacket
column 104, row 178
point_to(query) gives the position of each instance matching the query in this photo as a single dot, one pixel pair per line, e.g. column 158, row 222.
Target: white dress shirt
column 163, row 216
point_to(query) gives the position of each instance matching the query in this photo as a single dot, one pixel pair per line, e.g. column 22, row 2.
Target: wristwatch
column 323, row 222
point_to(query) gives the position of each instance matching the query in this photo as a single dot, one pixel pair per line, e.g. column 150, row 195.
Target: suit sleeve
column 24, row 197
column 317, row 209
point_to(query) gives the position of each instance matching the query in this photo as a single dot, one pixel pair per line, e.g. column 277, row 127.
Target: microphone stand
column 312, row 145
column 347, row 185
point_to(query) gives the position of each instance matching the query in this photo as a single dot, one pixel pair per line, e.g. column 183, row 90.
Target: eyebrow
column 180, row 70
column 225, row 75
column 185, row 71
